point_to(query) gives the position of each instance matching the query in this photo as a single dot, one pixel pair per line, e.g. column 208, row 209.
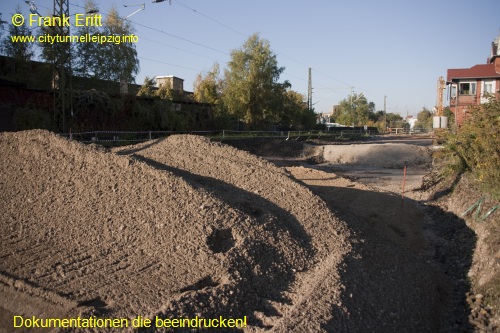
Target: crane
column 441, row 86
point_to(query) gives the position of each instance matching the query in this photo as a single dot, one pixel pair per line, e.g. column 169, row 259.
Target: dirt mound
column 183, row 227
column 266, row 194
column 280, row 147
column 390, row 289
column 152, row 233
column 389, row 155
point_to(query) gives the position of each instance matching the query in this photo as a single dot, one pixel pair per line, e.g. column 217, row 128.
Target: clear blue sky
column 397, row 48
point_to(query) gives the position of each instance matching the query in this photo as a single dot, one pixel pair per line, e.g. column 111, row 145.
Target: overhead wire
column 181, row 38
column 216, row 50
column 279, row 53
column 170, row 64
column 181, row 4
column 177, row 48
column 212, row 19
column 165, row 33
column 158, row 42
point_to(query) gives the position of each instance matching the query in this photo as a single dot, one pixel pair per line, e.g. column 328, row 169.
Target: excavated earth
column 185, row 227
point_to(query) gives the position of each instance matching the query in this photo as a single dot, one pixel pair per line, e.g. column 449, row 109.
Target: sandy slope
column 184, row 227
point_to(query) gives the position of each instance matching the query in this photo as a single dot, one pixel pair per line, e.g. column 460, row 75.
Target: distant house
column 322, row 118
column 173, row 82
column 474, row 84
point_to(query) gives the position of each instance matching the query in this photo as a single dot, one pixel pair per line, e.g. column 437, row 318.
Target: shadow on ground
column 259, row 275
column 408, row 270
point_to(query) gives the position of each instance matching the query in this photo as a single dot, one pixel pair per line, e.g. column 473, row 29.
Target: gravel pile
column 185, row 227
column 126, row 235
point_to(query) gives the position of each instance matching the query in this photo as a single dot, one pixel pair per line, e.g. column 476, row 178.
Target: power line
column 167, row 33
column 211, row 19
column 177, row 48
column 170, row 64
column 181, row 38
column 281, row 54
column 179, row 3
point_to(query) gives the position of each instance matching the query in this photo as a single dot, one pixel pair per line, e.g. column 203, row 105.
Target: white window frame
column 492, row 84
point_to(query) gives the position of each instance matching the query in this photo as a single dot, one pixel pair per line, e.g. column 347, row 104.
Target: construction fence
column 125, row 137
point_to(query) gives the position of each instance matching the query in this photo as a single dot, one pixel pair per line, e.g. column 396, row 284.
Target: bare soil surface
column 186, row 227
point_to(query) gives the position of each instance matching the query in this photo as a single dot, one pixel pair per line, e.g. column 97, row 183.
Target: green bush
column 476, row 146
column 27, row 119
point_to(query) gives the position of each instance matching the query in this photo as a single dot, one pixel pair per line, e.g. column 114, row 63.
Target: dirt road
column 376, row 187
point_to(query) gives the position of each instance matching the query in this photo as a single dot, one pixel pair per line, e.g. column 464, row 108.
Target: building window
column 453, row 91
column 467, row 88
column 488, row 88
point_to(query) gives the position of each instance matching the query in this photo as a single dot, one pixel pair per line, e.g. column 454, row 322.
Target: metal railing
column 123, row 137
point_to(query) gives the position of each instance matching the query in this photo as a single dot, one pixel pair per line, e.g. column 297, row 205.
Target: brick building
column 474, row 84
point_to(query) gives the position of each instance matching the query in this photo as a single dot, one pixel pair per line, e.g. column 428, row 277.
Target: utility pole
column 385, row 113
column 309, row 92
column 350, row 97
column 61, row 66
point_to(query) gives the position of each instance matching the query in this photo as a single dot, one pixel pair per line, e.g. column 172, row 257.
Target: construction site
column 129, row 208
column 182, row 227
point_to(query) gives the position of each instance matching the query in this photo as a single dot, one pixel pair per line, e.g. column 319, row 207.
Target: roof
column 475, row 72
column 168, row 76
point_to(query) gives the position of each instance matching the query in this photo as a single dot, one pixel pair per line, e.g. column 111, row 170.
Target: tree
column 295, row 114
column 166, row 92
column 47, row 49
column 1, row 31
column 117, row 61
column 251, row 91
column 22, row 53
column 147, row 88
column 86, row 55
column 208, row 89
column 354, row 110
column 394, row 119
column 424, row 119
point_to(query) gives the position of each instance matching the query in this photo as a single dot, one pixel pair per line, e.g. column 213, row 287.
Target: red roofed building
column 474, row 84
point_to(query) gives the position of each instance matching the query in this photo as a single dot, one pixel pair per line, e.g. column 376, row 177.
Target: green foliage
column 106, row 61
column 294, row 110
column 476, row 146
column 394, row 119
column 381, row 120
column 47, row 49
column 424, row 119
column 27, row 119
column 92, row 110
column 87, row 54
column 451, row 118
column 117, row 62
column 208, row 89
column 22, row 53
column 308, row 119
column 1, row 26
column 167, row 93
column 147, row 88
column 95, row 110
column 354, row 110
column 251, row 91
